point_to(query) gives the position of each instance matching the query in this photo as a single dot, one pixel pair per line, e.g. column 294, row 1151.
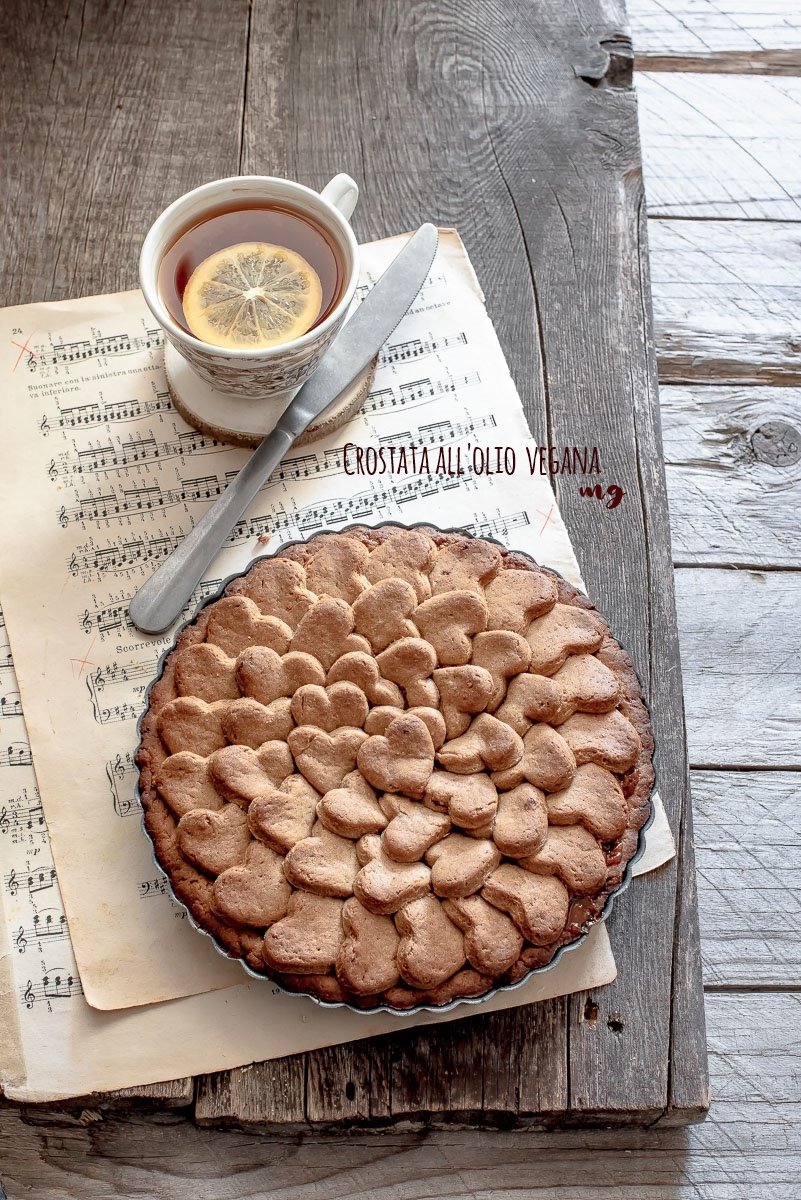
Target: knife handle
column 161, row 599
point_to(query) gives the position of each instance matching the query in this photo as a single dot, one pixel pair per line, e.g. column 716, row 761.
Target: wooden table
column 518, row 126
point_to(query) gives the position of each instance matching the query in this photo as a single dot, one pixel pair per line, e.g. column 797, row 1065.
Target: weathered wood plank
column 733, row 461
column 112, row 128
column 475, row 155
column 701, row 35
column 741, row 650
column 749, row 1146
column 748, row 854
column 100, row 132
column 721, row 145
column 726, row 301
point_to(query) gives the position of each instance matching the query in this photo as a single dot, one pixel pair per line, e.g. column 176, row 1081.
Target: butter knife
column 160, row 601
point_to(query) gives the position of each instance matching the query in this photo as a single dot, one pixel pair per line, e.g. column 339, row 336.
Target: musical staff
column 16, row 754
column 115, row 616
column 416, row 392
column 59, row 984
column 47, row 926
column 10, row 705
column 84, row 416
column 21, row 814
column 399, row 352
column 137, row 451
column 63, row 354
column 33, row 882
column 121, row 775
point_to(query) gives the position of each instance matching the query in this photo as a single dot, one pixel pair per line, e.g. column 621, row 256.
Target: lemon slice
column 251, row 296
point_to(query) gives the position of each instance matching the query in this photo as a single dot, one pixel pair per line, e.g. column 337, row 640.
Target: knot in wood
column 777, row 443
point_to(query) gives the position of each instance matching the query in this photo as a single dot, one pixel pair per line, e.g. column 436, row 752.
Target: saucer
column 243, row 422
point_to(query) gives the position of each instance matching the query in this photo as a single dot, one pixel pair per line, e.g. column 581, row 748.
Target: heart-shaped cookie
column 609, row 739
column 236, row 623
column 406, row 554
column 463, row 692
column 538, row 904
column 409, row 662
column 515, row 598
column 214, row 840
column 366, row 959
column 448, row 621
column 401, row 760
column 464, row 564
column 323, row 863
column 488, row 743
column 431, row 948
column 184, row 783
column 521, row 822
column 246, row 722
column 412, row 829
column 326, row 632
column 504, row 654
column 383, row 885
column 207, row 672
column 362, row 669
column 460, row 865
column 255, row 893
column 547, row 762
column 565, row 629
column 306, row 941
column 330, row 707
column 265, row 675
column 470, row 800
column 238, row 773
column 325, row 758
column 276, row 761
column 191, row 724
column 283, row 816
column 492, row 941
column 574, row 855
column 278, row 588
column 594, row 799
column 351, row 812
column 382, row 613
column 337, row 567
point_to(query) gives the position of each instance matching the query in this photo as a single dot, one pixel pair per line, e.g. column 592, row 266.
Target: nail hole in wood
column 777, row 443
column 615, row 1023
column 350, row 1090
column 591, row 1011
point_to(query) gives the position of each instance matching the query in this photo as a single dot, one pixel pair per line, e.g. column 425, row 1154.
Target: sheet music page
column 52, row 1044
column 101, row 478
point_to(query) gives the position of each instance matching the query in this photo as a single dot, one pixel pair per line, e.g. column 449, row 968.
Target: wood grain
column 99, row 133
column 721, row 146
column 733, row 461
column 741, row 650
column 749, row 1146
column 726, row 299
column 455, row 134
column 748, row 853
column 682, row 27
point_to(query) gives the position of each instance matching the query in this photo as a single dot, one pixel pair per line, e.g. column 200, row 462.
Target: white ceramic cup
column 255, row 374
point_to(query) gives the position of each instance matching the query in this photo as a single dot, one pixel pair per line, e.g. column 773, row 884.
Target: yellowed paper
column 94, row 454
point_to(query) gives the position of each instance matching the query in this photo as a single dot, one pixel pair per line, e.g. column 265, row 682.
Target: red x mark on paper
column 22, row 350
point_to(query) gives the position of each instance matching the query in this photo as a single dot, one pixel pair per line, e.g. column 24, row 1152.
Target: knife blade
column 161, row 599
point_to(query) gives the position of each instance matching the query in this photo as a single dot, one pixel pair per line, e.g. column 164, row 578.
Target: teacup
column 267, row 373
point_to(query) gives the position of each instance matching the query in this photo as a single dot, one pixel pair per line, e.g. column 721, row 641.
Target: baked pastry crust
column 395, row 766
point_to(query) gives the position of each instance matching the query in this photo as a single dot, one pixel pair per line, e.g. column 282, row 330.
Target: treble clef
column 13, row 882
column 29, row 995
column 20, row 940
column 45, row 425
column 73, row 564
column 86, row 622
column 63, row 519
column 5, row 824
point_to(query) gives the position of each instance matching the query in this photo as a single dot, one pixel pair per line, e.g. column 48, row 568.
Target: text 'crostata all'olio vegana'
column 395, row 766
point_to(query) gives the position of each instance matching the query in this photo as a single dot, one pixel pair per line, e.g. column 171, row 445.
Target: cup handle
column 342, row 192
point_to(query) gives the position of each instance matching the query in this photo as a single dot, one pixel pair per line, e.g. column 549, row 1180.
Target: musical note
column 102, row 347
column 420, row 347
column 59, row 984
column 18, row 754
column 82, row 416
